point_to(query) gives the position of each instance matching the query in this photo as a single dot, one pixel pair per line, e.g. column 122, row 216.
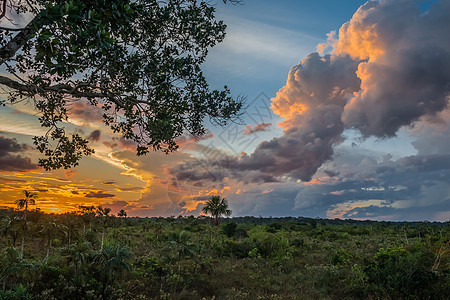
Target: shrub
column 229, row 229
column 340, row 257
column 402, row 274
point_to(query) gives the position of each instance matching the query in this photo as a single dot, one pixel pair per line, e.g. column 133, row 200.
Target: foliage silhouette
column 137, row 62
column 216, row 207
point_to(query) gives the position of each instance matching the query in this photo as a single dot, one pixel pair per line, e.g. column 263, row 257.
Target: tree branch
column 17, row 85
column 17, row 42
column 68, row 89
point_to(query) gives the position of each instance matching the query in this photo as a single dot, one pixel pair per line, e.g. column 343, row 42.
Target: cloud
column 98, row 195
column 405, row 72
column 130, row 189
column 312, row 102
column 94, row 135
column 83, row 113
column 111, row 182
column 390, row 68
column 414, row 187
column 433, row 135
column 160, row 196
column 258, row 128
column 9, row 160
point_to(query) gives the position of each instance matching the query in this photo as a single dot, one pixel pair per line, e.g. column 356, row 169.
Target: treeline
column 91, row 254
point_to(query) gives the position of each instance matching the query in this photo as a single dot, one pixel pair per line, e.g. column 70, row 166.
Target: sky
column 346, row 117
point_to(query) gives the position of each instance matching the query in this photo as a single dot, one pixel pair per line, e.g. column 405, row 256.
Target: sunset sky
column 347, row 117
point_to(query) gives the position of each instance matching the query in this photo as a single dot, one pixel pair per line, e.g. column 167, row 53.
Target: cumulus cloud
column 389, row 68
column 405, row 67
column 10, row 160
column 312, row 102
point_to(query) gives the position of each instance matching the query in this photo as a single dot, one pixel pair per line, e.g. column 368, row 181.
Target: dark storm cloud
column 10, row 160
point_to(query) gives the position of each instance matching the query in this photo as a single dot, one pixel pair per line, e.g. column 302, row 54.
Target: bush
column 239, row 249
column 402, row 274
column 229, row 229
column 241, row 233
column 340, row 257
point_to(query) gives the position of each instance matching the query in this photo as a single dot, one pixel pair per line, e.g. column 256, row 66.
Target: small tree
column 216, row 207
column 30, row 199
column 122, row 213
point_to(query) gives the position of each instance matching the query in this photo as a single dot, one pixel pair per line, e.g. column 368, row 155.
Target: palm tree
column 30, row 199
column 78, row 255
column 216, row 207
column 11, row 266
column 114, row 261
column 181, row 242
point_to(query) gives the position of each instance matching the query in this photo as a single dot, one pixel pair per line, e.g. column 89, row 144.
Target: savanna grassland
column 86, row 255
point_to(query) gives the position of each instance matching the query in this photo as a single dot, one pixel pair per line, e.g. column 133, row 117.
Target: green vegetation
column 92, row 254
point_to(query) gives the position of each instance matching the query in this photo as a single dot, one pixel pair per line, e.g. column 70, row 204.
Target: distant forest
column 91, row 254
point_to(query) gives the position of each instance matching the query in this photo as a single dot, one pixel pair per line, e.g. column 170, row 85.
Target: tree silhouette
column 122, row 213
column 139, row 62
column 30, row 199
column 216, row 207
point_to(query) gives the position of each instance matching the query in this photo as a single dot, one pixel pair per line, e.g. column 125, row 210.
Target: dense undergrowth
column 243, row 258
